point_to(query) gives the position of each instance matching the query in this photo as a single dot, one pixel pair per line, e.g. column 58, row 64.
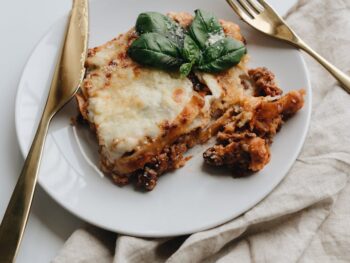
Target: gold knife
column 69, row 73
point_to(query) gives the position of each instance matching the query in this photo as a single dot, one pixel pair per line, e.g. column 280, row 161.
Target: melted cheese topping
column 130, row 105
column 130, row 111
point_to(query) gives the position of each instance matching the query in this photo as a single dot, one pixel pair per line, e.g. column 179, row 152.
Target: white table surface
column 22, row 24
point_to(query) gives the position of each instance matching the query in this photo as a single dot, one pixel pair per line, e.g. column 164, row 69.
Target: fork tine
column 247, row 8
column 268, row 8
column 255, row 6
column 238, row 11
column 264, row 4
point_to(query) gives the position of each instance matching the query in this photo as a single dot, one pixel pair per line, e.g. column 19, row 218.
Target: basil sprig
column 192, row 55
column 164, row 44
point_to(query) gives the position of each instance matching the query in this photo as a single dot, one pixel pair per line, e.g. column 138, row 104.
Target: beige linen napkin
column 307, row 217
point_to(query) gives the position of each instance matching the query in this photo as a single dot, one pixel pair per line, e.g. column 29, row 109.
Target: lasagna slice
column 145, row 119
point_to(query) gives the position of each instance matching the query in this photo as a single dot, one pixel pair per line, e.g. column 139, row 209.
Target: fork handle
column 343, row 79
column 17, row 212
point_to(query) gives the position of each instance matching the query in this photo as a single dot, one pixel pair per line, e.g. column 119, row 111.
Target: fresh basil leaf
column 206, row 29
column 186, row 68
column 222, row 55
column 191, row 51
column 158, row 23
column 152, row 22
column 155, row 50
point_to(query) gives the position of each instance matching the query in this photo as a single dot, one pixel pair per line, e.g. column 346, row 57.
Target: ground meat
column 147, row 179
column 171, row 158
column 264, row 82
column 246, row 149
column 120, row 180
column 197, row 85
column 243, row 152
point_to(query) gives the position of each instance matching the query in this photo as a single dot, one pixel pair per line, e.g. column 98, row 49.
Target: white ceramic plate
column 185, row 201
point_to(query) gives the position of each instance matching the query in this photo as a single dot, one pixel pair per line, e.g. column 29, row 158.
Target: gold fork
column 261, row 16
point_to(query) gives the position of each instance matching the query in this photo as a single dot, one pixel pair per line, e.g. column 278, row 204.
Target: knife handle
column 17, row 212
